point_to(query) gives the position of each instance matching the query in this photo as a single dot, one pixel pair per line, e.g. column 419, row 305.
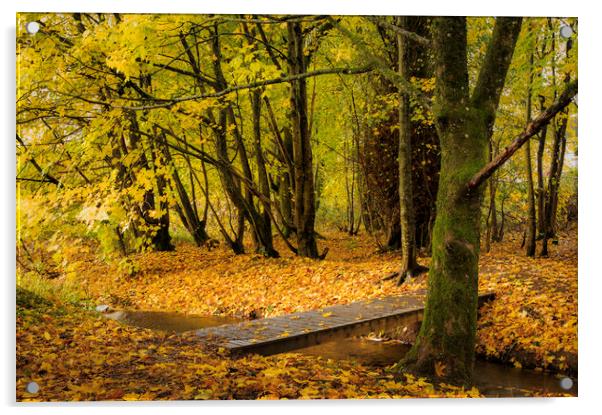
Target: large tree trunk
column 445, row 344
column 302, row 154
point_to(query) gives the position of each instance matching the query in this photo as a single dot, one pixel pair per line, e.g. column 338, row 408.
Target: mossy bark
column 444, row 347
column 447, row 335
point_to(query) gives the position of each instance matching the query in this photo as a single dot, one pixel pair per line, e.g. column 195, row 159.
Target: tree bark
column 445, row 344
column 302, row 153
column 243, row 201
column 285, row 179
column 404, row 159
column 558, row 147
column 531, row 219
column 541, row 192
column 185, row 207
column 264, row 228
column 155, row 230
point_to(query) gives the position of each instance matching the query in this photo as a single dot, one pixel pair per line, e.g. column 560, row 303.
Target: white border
column 590, row 152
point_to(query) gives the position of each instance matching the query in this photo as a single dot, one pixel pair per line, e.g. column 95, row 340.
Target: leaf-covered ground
column 81, row 356
column 77, row 355
column 532, row 322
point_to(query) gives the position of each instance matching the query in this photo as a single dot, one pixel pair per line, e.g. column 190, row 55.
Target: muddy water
column 169, row 321
column 492, row 379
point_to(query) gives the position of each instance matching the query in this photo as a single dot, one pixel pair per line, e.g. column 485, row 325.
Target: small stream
column 169, row 321
column 492, row 379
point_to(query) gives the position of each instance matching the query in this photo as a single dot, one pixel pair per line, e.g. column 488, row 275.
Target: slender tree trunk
column 161, row 239
column 500, row 235
column 302, row 152
column 531, row 218
column 406, row 198
column 488, row 233
column 243, row 201
column 155, row 229
column 541, row 193
column 185, row 207
column 560, row 125
column 288, row 186
column 493, row 194
column 264, row 230
column 393, row 233
column 445, row 344
column 285, row 180
column 559, row 176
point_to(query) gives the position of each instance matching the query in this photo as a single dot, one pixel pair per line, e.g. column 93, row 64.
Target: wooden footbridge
column 298, row 330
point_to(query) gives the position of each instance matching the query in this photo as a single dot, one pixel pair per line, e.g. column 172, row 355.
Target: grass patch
column 36, row 293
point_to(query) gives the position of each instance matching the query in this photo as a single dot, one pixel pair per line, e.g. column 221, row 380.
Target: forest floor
column 74, row 354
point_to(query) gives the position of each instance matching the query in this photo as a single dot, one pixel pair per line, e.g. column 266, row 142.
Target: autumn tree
column 445, row 344
column 412, row 62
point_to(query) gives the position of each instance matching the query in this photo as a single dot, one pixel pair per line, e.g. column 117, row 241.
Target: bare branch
column 165, row 103
column 405, row 33
column 531, row 129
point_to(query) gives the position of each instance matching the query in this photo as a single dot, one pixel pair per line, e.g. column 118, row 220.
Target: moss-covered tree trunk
column 445, row 344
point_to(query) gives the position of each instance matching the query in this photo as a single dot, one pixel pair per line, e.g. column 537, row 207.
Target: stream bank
column 492, row 379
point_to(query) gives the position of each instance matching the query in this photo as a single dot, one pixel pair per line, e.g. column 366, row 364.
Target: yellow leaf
column 130, row 397
column 440, row 369
column 327, row 314
column 203, row 394
column 47, row 336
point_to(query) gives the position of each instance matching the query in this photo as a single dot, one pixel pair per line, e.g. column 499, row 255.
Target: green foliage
column 36, row 292
column 128, row 267
column 82, row 85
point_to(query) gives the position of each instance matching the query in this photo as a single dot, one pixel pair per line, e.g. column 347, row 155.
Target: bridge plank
column 293, row 331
